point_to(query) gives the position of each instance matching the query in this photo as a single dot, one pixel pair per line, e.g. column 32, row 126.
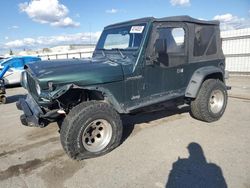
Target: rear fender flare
column 197, row 79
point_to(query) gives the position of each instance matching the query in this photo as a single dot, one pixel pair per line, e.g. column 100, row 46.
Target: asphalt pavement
column 164, row 148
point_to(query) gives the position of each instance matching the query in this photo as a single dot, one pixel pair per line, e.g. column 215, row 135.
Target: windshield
column 123, row 38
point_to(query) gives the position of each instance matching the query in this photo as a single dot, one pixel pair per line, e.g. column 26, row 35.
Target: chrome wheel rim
column 97, row 135
column 216, row 101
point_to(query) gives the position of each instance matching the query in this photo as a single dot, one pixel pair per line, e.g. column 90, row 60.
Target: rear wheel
column 211, row 101
column 91, row 129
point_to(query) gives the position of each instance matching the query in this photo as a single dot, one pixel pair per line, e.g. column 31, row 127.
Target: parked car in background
column 13, row 75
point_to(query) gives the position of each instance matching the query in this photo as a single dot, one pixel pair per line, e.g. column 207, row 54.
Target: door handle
column 180, row 70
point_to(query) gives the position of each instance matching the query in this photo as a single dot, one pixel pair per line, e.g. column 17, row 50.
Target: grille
column 31, row 85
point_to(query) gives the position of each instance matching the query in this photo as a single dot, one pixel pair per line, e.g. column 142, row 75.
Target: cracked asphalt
column 164, row 148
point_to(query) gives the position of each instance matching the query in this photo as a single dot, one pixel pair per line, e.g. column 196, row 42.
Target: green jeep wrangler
column 136, row 64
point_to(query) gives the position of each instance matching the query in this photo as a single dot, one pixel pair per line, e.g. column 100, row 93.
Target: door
column 163, row 73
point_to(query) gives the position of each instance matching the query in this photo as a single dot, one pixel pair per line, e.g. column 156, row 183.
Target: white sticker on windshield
column 136, row 29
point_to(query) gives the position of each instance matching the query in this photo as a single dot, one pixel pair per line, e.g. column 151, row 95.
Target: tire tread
column 199, row 106
column 67, row 131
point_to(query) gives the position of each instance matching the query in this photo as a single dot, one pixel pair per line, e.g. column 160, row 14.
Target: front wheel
column 91, row 129
column 3, row 99
column 211, row 101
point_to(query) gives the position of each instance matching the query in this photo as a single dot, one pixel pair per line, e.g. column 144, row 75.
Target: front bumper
column 33, row 114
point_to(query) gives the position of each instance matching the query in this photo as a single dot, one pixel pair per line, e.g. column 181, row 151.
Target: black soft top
column 167, row 19
column 187, row 19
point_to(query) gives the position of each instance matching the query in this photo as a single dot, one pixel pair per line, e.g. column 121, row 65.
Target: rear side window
column 204, row 41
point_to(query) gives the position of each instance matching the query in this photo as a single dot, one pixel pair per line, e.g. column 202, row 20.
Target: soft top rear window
column 204, row 40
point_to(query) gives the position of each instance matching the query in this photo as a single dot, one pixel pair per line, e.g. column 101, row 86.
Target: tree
column 11, row 52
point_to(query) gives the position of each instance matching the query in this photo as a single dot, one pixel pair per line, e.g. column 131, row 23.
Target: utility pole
column 90, row 34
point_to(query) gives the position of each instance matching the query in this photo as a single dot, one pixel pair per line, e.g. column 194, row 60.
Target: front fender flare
column 108, row 96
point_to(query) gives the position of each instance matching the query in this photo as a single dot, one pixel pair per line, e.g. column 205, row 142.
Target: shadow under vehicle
column 136, row 64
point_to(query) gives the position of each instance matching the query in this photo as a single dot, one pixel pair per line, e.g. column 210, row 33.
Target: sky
column 36, row 24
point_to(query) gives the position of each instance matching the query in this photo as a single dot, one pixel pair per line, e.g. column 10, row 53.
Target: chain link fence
column 70, row 54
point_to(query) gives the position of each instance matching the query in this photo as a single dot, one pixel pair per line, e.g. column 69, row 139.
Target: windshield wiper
column 104, row 54
column 119, row 50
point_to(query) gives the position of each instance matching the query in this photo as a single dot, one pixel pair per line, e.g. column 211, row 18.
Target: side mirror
column 160, row 46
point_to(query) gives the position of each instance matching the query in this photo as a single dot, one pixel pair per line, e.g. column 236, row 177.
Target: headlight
column 24, row 82
column 51, row 86
column 38, row 88
column 1, row 82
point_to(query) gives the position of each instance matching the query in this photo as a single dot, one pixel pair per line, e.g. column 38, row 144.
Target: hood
column 78, row 71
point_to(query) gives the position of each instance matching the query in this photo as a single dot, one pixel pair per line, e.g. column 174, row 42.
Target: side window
column 204, row 41
column 179, row 38
column 175, row 38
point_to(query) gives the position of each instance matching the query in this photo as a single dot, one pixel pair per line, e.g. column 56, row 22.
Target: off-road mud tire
column 79, row 119
column 3, row 99
column 201, row 106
